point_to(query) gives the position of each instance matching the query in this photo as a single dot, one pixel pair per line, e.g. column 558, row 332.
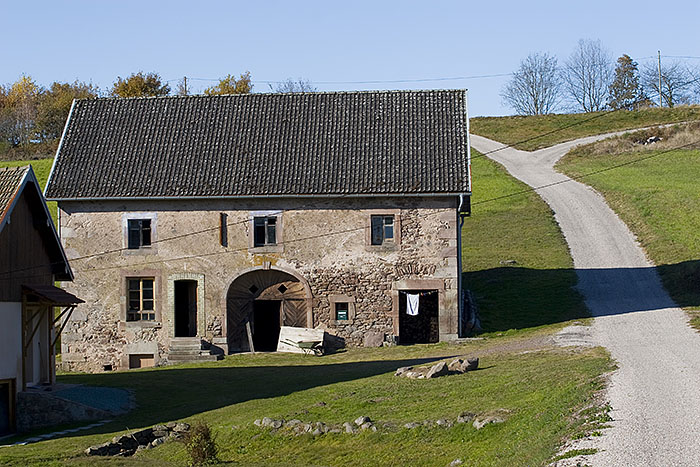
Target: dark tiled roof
column 10, row 179
column 397, row 142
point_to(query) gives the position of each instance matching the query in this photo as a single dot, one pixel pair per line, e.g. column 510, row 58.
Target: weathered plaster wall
column 324, row 241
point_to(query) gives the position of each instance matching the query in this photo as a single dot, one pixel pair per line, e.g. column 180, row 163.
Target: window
column 139, row 233
column 264, row 231
column 382, row 230
column 341, row 311
column 141, row 300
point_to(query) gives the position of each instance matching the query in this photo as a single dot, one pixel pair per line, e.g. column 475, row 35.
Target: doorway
column 7, row 407
column 424, row 326
column 186, row 308
column 266, row 324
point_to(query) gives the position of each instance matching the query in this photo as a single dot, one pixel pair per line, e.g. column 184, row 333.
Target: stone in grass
column 181, row 428
column 498, row 416
column 335, row 430
column 412, row 425
column 437, row 370
column 360, row 420
column 472, row 364
column 317, row 432
column 292, row 423
column 368, row 426
column 443, row 422
column 157, row 442
column 403, row 370
column 257, row 422
column 348, row 427
column 465, row 417
column 455, row 463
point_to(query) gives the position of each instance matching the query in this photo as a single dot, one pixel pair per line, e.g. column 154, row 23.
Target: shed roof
column 341, row 143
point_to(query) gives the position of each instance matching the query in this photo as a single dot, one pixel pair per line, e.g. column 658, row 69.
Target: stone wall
column 39, row 409
column 325, row 242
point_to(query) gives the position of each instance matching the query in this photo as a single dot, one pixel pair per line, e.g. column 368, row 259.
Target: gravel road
column 655, row 394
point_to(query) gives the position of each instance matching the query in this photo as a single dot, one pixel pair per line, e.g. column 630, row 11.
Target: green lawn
column 535, row 132
column 659, row 199
column 538, row 288
column 41, row 167
column 541, row 388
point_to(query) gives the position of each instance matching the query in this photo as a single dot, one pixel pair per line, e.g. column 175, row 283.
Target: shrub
column 200, row 445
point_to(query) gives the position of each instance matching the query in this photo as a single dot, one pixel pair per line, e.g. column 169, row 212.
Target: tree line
column 589, row 80
column 30, row 113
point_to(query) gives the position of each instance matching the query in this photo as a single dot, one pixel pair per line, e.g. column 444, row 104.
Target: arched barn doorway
column 258, row 302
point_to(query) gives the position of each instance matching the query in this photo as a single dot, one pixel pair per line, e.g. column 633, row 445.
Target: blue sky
column 330, row 41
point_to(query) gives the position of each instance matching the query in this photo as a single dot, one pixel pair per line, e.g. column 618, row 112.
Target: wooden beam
column 250, row 335
column 70, row 312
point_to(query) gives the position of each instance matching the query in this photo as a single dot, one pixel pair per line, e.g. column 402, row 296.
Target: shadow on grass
column 513, row 297
column 174, row 393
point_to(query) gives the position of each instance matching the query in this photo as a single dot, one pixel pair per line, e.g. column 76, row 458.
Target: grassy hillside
column 535, row 132
column 515, row 258
column 540, row 389
column 658, row 198
column 41, row 167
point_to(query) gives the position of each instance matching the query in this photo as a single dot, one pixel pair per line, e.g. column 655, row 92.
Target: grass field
column 541, row 388
column 41, row 167
column 538, row 288
column 535, row 132
column 659, row 199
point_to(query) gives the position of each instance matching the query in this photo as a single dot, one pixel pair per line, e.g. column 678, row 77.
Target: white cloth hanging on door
column 412, row 304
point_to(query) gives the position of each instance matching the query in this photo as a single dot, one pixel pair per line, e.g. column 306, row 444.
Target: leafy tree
column 55, row 104
column 587, row 74
column 231, row 85
column 299, row 85
column 534, row 88
column 140, row 85
column 19, row 110
column 625, row 91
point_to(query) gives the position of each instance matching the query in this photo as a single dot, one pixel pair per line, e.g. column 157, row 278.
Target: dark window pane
column 148, row 284
column 388, row 232
column 134, row 284
column 271, row 234
column 151, row 317
column 377, row 237
column 134, row 234
column 259, row 235
column 134, row 305
column 146, row 232
column 148, row 304
column 147, row 294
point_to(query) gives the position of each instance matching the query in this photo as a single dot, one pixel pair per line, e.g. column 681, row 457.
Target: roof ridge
column 251, row 94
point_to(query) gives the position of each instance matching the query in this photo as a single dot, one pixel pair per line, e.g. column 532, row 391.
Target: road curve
column 655, row 394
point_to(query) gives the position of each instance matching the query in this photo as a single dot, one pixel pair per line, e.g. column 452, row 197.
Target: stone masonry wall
column 326, row 242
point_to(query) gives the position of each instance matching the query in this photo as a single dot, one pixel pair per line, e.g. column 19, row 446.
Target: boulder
column 472, row 364
column 412, row 425
column 368, row 426
column 456, row 366
column 443, row 422
column 373, row 339
column 143, row 436
column 361, row 420
column 403, row 370
column 292, row 423
column 181, row 428
column 437, row 370
column 499, row 416
column 157, row 442
column 266, row 422
column 348, row 427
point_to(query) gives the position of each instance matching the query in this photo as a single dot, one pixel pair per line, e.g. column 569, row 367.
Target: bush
column 200, row 445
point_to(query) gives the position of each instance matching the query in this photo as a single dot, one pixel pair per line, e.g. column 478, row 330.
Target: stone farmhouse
column 31, row 259
column 205, row 223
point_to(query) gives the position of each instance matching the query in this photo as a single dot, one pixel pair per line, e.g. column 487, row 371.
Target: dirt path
column 655, row 394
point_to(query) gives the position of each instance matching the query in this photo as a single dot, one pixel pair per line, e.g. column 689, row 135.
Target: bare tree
column 295, row 85
column 677, row 82
column 534, row 88
column 587, row 75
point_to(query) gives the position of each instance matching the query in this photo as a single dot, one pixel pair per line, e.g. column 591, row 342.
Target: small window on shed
column 341, row 311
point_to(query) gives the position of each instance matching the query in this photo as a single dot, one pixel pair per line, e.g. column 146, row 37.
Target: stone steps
column 189, row 350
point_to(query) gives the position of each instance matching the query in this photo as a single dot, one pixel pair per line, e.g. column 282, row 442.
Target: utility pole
column 184, row 79
column 659, row 79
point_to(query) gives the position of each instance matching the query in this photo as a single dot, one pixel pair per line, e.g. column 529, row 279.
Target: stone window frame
column 389, row 246
column 339, row 298
column 278, row 247
column 151, row 249
column 124, row 277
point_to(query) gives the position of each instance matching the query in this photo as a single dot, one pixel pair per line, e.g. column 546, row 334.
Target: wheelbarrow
column 308, row 347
